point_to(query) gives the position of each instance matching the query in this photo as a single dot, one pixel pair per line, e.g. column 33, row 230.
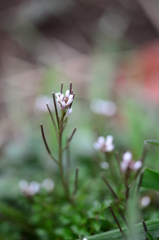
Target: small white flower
column 105, row 145
column 104, row 165
column 145, row 201
column 84, row 238
column 69, row 111
column 136, row 166
column 124, row 166
column 64, row 101
column 29, row 189
column 128, row 163
column 127, row 157
column 34, row 187
column 48, row 184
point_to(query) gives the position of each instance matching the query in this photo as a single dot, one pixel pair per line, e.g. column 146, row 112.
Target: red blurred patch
column 139, row 73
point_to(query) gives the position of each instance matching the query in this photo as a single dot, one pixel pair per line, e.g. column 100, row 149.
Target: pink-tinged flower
column 64, row 101
column 136, row 165
column 127, row 163
column 29, row 189
column 127, row 159
column 104, row 144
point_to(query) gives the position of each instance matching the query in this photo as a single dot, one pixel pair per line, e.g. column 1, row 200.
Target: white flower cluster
column 32, row 188
column 105, row 144
column 128, row 164
column 65, row 101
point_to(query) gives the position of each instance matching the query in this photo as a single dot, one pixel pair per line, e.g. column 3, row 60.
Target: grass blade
column 152, row 141
column 152, row 226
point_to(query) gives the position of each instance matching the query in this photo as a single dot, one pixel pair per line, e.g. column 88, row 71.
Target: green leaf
column 96, row 226
column 152, row 226
column 150, row 179
column 152, row 141
column 149, row 236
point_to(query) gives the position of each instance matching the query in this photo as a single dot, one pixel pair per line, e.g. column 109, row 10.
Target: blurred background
column 109, row 50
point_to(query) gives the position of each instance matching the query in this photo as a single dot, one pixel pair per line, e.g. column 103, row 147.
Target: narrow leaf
column 150, row 179
column 152, row 226
column 152, row 141
column 149, row 236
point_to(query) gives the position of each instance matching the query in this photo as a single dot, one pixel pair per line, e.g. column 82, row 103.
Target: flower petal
column 124, row 166
column 70, row 96
column 59, row 105
column 101, row 141
column 61, row 97
column 127, row 157
column 110, row 147
column 96, row 145
column 58, row 94
column 67, row 93
column 137, row 165
column 69, row 111
column 109, row 139
column 69, row 101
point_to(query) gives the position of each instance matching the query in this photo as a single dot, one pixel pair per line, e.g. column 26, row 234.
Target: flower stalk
column 117, row 222
column 64, row 103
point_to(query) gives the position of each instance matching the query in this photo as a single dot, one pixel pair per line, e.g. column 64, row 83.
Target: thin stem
column 64, row 183
column 112, row 191
column 136, row 175
column 142, row 160
column 52, row 118
column 69, row 140
column 116, row 220
column 46, row 145
column 145, row 227
column 144, row 154
column 61, row 87
column 64, row 123
column 116, row 197
column 140, row 180
column 118, row 161
column 68, row 164
column 70, row 87
column 127, row 188
column 61, row 167
column 76, row 182
column 73, row 98
column 57, row 117
column 110, row 188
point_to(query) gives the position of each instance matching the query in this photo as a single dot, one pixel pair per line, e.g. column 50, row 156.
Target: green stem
column 65, row 187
